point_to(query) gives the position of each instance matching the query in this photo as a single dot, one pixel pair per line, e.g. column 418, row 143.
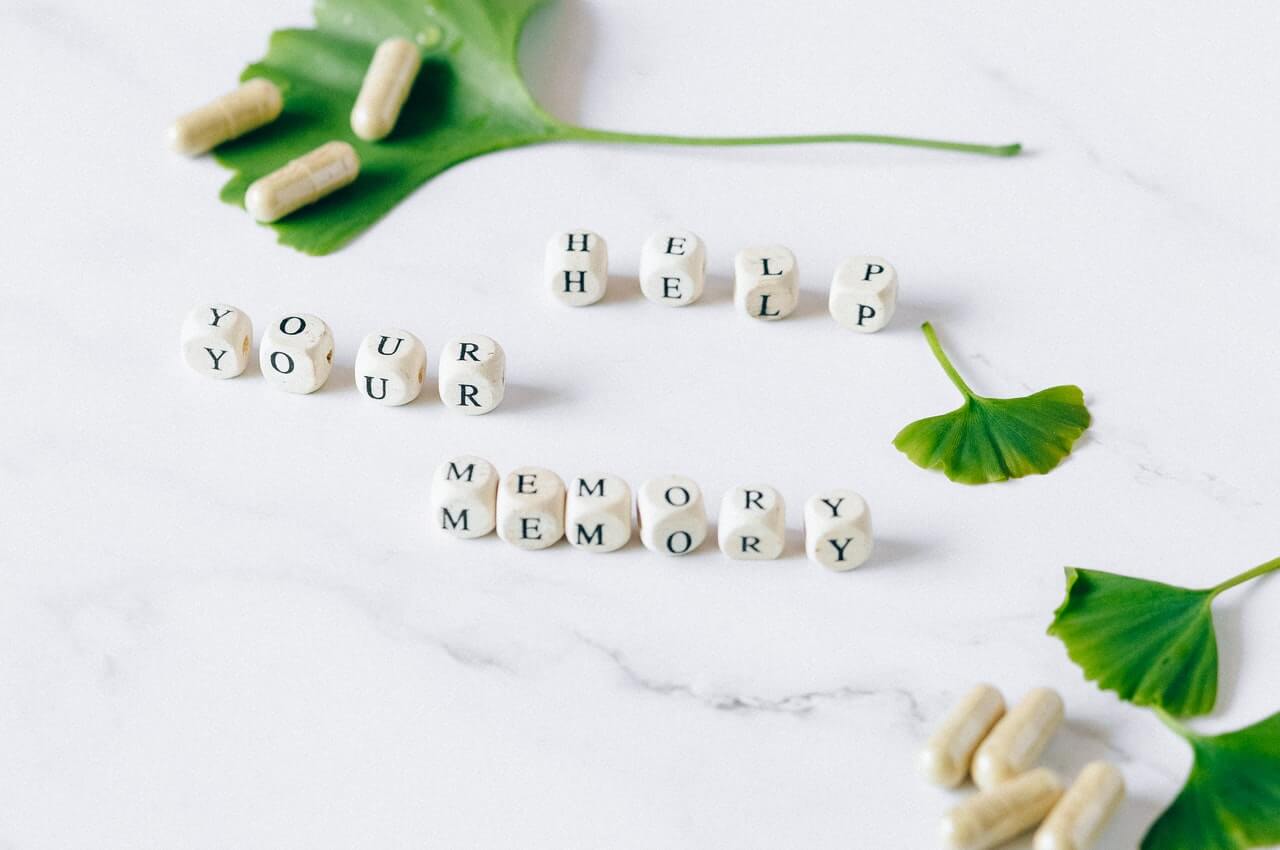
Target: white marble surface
column 224, row 622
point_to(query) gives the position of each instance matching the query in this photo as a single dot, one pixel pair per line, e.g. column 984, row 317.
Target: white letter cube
column 296, row 353
column 390, row 367
column 765, row 282
column 598, row 513
column 753, row 523
column 464, row 493
column 864, row 293
column 216, row 340
column 673, row 268
column 673, row 520
column 473, row 374
column 577, row 267
column 531, row 508
column 837, row 529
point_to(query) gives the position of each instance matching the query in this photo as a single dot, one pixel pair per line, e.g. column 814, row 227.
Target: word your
column 766, row 280
column 532, row 508
column 296, row 355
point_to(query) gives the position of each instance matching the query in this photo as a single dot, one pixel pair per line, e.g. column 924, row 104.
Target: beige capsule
column 1018, row 739
column 946, row 756
column 253, row 104
column 1083, row 812
column 990, row 818
column 303, row 181
column 385, row 88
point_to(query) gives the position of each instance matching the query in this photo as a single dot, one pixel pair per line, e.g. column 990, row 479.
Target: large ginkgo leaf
column 994, row 439
column 1151, row 643
column 469, row 99
column 1231, row 800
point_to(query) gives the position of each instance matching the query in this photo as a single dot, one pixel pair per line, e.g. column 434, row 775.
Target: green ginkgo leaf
column 1231, row 800
column 469, row 99
column 994, row 439
column 1151, row 643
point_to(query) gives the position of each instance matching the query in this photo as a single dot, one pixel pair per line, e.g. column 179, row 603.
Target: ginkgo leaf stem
column 1247, row 575
column 944, row 361
column 1172, row 723
column 588, row 134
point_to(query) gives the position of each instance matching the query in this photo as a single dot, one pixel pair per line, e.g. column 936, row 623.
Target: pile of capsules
column 766, row 280
column 296, row 355
column 326, row 169
column 1000, row 751
column 532, row 508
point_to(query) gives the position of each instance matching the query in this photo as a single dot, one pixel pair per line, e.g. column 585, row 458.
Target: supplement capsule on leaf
column 252, row 105
column 945, row 758
column 303, row 181
column 991, row 818
column 1018, row 739
column 385, row 88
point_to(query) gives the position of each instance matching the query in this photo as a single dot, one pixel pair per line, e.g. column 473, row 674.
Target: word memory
column 673, row 270
column 296, row 355
column 532, row 508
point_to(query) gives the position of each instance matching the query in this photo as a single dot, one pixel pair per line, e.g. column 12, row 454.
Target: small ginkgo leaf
column 1151, row 643
column 994, row 439
column 469, row 99
column 1231, row 800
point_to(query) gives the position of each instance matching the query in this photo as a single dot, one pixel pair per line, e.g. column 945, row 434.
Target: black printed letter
column 276, row 366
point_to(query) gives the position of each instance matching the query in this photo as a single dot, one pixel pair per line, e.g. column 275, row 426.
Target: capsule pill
column 946, row 757
column 990, row 818
column 1018, row 739
column 1083, row 812
column 253, row 104
column 303, row 181
column 385, row 88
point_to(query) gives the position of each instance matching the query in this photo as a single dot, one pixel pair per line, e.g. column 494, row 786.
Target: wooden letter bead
column 216, row 340
column 296, row 353
column 473, row 374
column 598, row 513
column 673, row 268
column 864, row 292
column 577, row 267
column 753, row 523
column 673, row 520
column 531, row 508
column 464, row 496
column 390, row 367
column 837, row 529
column 765, row 282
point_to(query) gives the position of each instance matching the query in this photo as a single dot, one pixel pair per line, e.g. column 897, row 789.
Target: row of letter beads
column 531, row 508
column 296, row 354
column 673, row 270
